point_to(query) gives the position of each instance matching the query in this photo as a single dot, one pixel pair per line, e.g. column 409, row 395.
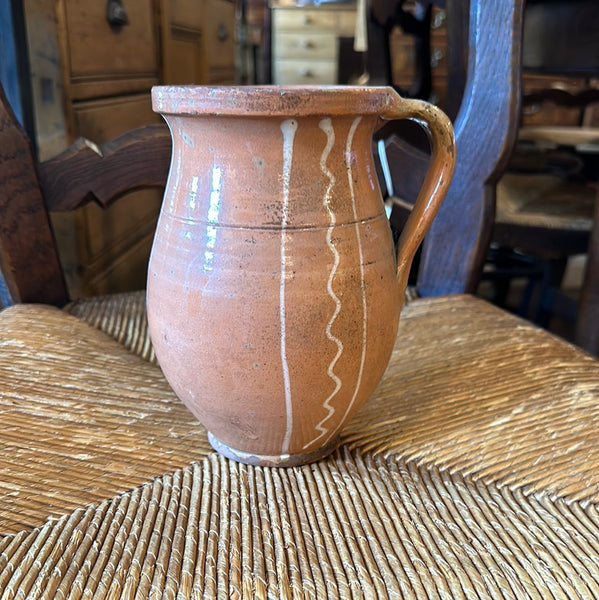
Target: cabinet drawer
column 292, row 72
column 186, row 13
column 95, row 49
column 548, row 113
column 308, row 20
column 346, row 23
column 305, row 45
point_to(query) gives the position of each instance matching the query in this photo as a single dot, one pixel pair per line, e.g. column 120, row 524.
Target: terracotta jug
column 274, row 289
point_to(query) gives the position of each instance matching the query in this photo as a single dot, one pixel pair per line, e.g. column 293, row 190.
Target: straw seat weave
column 350, row 526
column 81, row 418
column 473, row 472
column 122, row 316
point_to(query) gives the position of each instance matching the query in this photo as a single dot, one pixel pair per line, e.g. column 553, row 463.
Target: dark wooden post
column 30, row 272
column 486, row 126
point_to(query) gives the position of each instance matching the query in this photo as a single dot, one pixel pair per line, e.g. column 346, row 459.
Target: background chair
column 546, row 204
column 544, row 185
column 30, row 266
column 484, row 46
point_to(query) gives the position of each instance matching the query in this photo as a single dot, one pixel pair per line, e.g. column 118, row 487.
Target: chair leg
column 552, row 281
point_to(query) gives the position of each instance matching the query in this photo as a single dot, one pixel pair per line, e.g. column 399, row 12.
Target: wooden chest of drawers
column 305, row 42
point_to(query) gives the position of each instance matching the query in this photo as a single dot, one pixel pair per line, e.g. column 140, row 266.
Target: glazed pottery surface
column 274, row 289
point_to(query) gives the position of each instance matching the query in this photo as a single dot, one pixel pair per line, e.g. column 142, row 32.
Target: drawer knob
column 436, row 57
column 305, row 72
column 115, row 14
column 307, row 20
column 222, row 33
column 303, row 43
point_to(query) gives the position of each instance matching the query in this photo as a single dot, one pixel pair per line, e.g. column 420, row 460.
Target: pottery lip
column 270, row 100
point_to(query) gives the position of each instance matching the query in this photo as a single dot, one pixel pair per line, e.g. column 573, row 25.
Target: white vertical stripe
column 288, row 127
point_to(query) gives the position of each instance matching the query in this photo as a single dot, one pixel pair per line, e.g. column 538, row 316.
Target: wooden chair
column 471, row 472
column 481, row 98
column 546, row 204
column 30, row 268
column 29, row 260
column 524, row 226
column 545, row 201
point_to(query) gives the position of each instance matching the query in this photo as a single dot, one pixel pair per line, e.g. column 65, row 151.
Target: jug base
column 272, row 460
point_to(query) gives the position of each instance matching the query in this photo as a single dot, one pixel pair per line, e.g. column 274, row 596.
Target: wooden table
column 468, row 473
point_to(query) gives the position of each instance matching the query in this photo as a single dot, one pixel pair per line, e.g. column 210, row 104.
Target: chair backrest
column 484, row 46
column 30, row 269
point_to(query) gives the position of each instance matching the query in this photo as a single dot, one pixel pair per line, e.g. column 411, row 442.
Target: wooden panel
column 403, row 56
column 221, row 76
column 548, row 113
column 346, row 23
column 185, row 64
column 289, row 72
column 111, row 232
column 187, row 13
column 127, row 271
column 198, row 42
column 84, row 89
column 220, row 34
column 106, row 235
column 46, row 78
column 102, row 120
column 96, row 50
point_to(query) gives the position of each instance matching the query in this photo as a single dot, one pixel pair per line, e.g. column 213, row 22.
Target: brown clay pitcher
column 274, row 289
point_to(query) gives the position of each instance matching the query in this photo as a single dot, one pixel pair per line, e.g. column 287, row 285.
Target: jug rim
column 272, row 100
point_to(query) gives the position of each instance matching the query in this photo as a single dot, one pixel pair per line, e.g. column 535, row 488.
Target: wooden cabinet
column 92, row 78
column 107, row 72
column 305, row 42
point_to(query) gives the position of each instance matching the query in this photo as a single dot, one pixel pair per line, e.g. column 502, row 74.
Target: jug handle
column 436, row 182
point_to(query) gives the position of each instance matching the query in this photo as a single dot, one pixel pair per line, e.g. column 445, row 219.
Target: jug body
column 273, row 297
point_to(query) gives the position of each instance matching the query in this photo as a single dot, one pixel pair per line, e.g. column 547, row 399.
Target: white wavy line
column 327, row 127
column 288, row 127
column 348, row 145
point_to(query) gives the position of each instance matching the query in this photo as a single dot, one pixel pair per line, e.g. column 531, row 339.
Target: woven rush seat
column 349, row 526
column 120, row 315
column 82, row 417
column 468, row 474
column 544, row 201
